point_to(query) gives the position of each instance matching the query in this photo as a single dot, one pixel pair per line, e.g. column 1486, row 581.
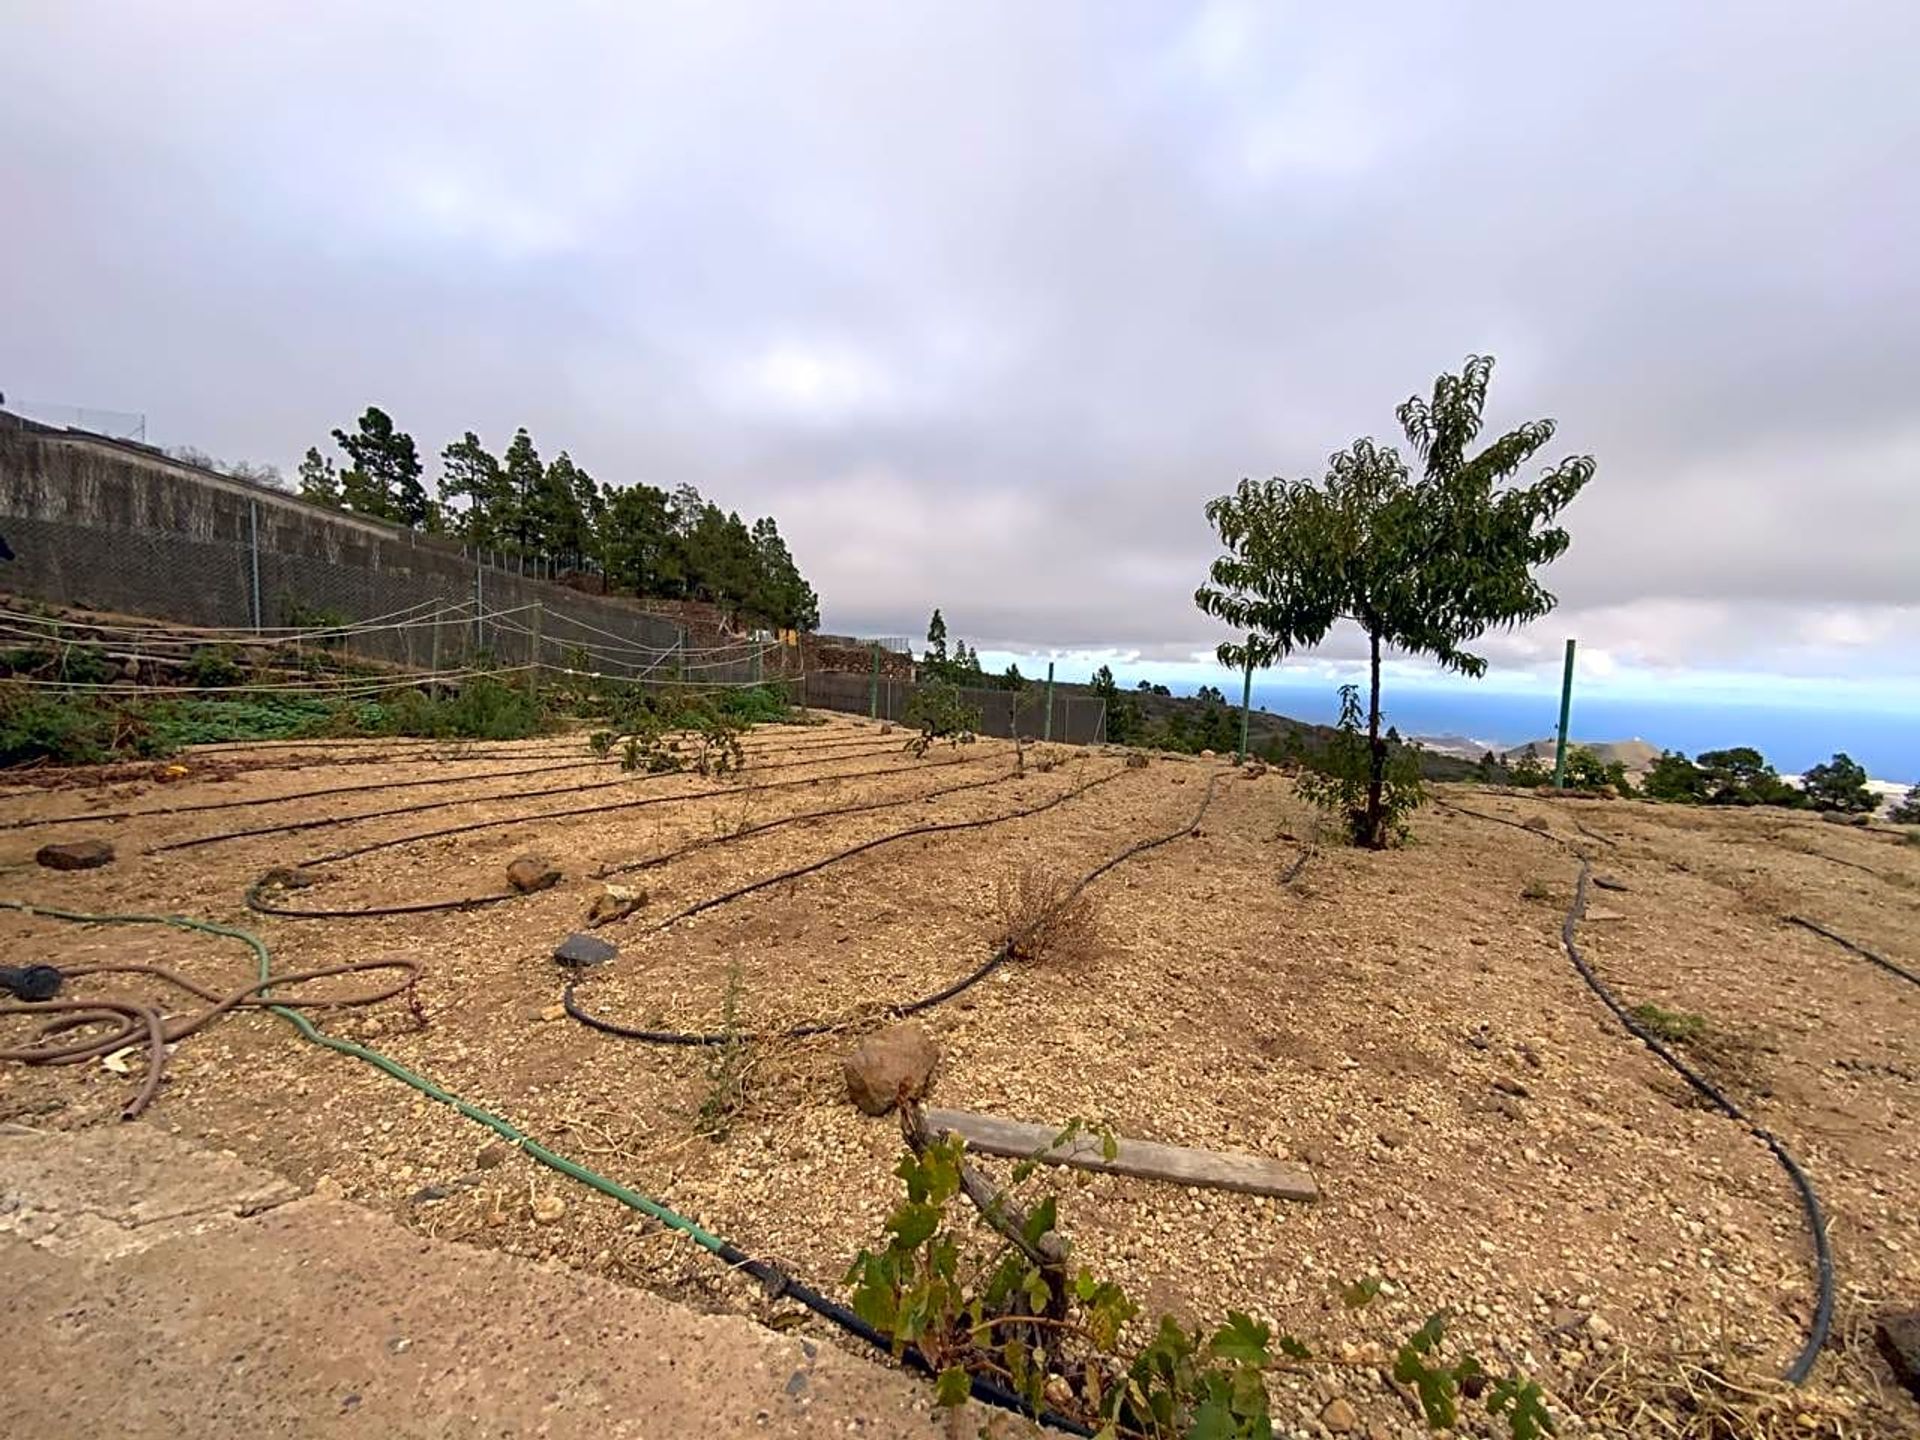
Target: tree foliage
column 383, row 477
column 1907, row 812
column 1423, row 564
column 553, row 512
column 1838, row 784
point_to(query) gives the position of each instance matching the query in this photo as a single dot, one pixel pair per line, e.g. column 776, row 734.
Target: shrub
column 482, row 709
column 939, row 712
column 1336, row 780
column 1907, row 812
column 1675, row 779
column 61, row 728
column 1042, row 917
column 213, row 667
column 1676, row 1027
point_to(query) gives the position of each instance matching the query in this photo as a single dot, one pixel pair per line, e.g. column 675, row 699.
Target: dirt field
column 1486, row 1135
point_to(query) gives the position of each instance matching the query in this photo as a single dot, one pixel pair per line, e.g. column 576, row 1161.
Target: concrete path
column 149, row 1288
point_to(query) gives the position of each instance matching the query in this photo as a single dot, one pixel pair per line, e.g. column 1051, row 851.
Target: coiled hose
column 776, row 1281
column 1822, row 1323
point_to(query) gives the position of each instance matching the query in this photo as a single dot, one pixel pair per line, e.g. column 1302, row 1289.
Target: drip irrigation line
column 256, row 893
column 202, row 808
column 328, row 821
column 1890, row 966
column 776, row 1282
column 666, row 856
column 944, row 827
column 619, row 805
column 1822, row 1322
column 909, row 1007
column 241, row 804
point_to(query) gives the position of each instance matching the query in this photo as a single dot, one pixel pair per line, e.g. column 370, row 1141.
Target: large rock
column 75, row 854
column 615, row 902
column 889, row 1062
column 532, row 872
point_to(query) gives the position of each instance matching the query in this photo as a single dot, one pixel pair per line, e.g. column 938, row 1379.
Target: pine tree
column 521, row 478
column 937, row 639
column 384, row 479
column 318, row 480
column 473, row 492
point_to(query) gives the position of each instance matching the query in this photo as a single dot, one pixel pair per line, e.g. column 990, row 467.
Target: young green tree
column 937, row 639
column 318, row 480
column 384, row 478
column 1839, row 784
column 1425, row 565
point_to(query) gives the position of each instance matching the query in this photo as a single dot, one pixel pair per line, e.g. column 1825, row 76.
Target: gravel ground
column 1487, row 1137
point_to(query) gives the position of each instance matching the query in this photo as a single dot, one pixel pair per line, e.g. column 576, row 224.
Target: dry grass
column 1039, row 917
column 1698, row 1398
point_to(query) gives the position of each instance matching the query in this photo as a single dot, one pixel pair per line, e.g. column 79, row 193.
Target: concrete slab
column 167, row 1291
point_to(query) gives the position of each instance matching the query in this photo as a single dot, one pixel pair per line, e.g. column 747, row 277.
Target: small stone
column 75, row 854
column 615, row 902
column 1509, row 1107
column 889, row 1063
column 1536, row 822
column 553, row 1012
column 548, row 1208
column 1600, row 915
column 1599, row 1327
column 1607, row 882
column 532, row 872
column 492, row 1157
column 1338, row 1416
column 1206, row 754
column 1506, row 1085
column 1255, row 769
column 1136, row 761
column 581, row 949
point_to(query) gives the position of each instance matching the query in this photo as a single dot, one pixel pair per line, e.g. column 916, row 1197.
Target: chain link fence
column 1004, row 714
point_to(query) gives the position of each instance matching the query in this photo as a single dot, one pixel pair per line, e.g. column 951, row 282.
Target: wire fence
column 1033, row 713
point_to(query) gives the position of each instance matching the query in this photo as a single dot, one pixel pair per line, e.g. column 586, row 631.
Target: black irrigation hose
column 361, row 788
column 296, row 795
column 326, row 822
column 1892, row 967
column 942, row 827
column 472, row 826
column 666, row 856
column 255, row 893
column 420, row 907
column 909, row 1007
column 780, row 1285
column 1822, row 1322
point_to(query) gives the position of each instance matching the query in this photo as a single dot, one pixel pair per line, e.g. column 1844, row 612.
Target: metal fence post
column 1100, row 727
column 1566, row 705
column 1048, row 725
column 479, row 606
column 873, row 687
column 433, row 685
column 533, row 668
column 253, row 547
column 1246, row 702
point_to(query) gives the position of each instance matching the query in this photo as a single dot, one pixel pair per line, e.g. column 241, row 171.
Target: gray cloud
column 984, row 301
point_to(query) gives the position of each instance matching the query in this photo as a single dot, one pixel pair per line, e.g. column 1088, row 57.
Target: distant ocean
column 1791, row 737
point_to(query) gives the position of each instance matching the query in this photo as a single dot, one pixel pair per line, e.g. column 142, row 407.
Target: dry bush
column 1694, row 1398
column 1040, row 917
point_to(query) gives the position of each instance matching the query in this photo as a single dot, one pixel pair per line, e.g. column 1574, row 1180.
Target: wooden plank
column 1211, row 1169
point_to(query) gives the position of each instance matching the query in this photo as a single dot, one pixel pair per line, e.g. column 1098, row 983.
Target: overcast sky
column 983, row 301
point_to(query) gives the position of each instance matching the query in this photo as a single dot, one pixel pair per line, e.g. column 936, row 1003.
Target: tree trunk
column 1375, row 822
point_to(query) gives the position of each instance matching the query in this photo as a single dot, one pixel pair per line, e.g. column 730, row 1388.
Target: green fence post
column 1048, row 727
column 1246, row 701
column 1566, row 705
column 873, row 687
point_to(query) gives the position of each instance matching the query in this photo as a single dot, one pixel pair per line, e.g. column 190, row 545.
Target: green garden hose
column 777, row 1282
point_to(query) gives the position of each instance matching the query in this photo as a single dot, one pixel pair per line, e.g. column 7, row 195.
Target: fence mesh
column 1004, row 714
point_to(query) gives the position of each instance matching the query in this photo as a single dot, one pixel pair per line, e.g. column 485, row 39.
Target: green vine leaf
column 1529, row 1418
column 1241, row 1340
column 1361, row 1292
column 952, row 1387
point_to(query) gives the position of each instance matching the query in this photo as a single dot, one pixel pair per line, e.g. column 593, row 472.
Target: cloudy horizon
column 984, row 302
